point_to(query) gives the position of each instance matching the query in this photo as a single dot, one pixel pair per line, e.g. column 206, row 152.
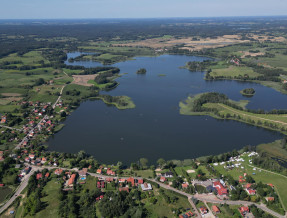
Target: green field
column 51, row 200
column 4, row 191
column 233, row 71
column 163, row 209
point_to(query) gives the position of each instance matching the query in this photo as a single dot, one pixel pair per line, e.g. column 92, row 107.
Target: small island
column 249, row 92
column 121, row 102
column 141, row 71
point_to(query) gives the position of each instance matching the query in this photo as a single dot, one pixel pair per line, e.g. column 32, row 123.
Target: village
column 201, row 186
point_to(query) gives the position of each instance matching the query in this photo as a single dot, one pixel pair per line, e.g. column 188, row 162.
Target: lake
column 155, row 129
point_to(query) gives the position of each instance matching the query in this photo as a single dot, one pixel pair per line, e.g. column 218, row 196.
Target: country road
column 61, row 92
column 8, row 127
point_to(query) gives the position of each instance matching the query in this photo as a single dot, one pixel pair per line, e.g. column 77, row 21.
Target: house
column 162, row 179
column 100, row 184
column 215, row 209
column 125, row 189
column 110, row 172
column 248, row 185
column 99, row 171
column 39, row 176
column 43, row 160
column 83, row 173
column 140, row 181
column 251, row 191
column 47, row 175
column 184, row 185
column 167, row 174
column 27, row 159
column 131, row 180
column 220, row 189
column 122, row 180
column 203, row 210
column 32, row 156
column 2, row 185
column 71, row 180
column 270, row 199
column 243, row 210
column 3, row 120
column 146, row 186
column 271, row 185
column 58, row 171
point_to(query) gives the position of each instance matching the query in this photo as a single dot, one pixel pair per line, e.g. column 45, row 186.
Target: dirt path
column 235, row 111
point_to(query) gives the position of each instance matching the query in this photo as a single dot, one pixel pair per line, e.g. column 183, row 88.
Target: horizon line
column 127, row 18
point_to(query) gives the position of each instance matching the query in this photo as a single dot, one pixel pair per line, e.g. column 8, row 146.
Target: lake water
column 155, row 129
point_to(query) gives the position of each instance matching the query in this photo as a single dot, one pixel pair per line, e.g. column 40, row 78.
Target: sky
column 69, row 9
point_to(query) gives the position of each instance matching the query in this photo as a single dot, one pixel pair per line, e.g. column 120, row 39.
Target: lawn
column 4, row 191
column 144, row 173
column 91, row 183
column 51, row 201
column 163, row 209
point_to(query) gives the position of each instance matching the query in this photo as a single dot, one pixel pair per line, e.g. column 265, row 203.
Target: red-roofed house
column 99, row 171
column 248, row 185
column 203, row 210
column 131, row 180
column 32, row 156
column 72, row 180
column 184, row 185
column 110, row 172
column 47, row 175
column 243, row 210
column 215, row 209
column 140, row 181
column 162, row 179
column 39, row 176
column 58, row 171
column 220, row 189
column 270, row 199
column 251, row 191
column 100, row 184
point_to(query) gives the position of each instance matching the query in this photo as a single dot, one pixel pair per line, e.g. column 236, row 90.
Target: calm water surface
column 155, row 128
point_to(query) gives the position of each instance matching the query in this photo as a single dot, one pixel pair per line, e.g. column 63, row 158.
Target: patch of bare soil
column 188, row 42
column 83, row 79
column 262, row 38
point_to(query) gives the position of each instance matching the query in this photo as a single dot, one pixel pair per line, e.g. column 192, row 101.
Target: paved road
column 18, row 191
